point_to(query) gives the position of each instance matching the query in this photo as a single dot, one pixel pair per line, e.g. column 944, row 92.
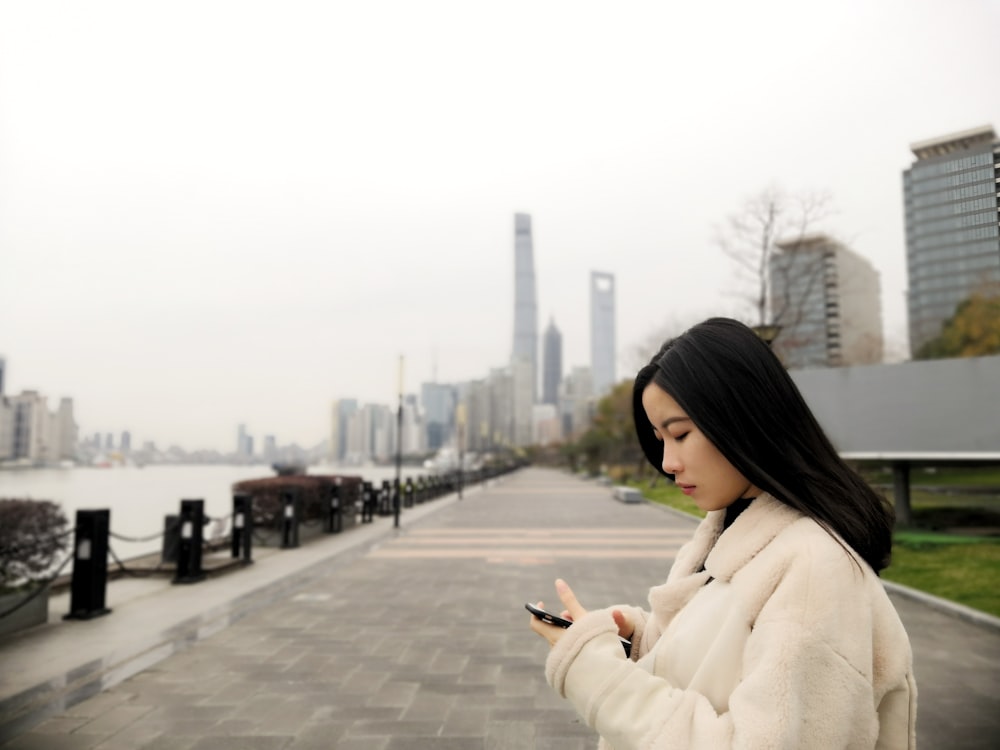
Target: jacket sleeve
column 796, row 688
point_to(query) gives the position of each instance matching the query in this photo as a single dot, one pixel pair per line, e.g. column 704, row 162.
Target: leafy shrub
column 33, row 534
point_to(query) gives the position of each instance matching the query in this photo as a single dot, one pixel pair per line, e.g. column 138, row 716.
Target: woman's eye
column 679, row 438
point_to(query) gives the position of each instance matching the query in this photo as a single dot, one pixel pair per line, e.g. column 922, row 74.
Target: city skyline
column 188, row 242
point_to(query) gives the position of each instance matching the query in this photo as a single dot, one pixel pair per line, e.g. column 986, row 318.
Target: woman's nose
column 671, row 461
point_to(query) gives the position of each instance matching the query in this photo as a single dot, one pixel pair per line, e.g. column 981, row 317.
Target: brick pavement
column 423, row 641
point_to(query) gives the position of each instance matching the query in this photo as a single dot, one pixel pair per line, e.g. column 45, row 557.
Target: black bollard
column 192, row 521
column 243, row 526
column 367, row 502
column 171, row 539
column 385, row 499
column 290, row 502
column 335, row 519
column 90, row 565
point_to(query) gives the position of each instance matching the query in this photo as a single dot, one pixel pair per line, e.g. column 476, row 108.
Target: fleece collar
column 752, row 530
column 714, row 553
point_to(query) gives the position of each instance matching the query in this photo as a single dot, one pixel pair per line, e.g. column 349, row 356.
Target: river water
column 140, row 498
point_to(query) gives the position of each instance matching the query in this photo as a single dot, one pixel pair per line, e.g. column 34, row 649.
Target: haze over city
column 218, row 213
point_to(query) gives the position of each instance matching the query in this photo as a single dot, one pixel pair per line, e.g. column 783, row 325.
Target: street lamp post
column 767, row 332
column 399, row 443
column 460, row 439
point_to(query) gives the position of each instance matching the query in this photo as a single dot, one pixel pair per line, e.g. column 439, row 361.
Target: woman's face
column 699, row 469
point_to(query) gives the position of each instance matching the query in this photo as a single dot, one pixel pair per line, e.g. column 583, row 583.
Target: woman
column 772, row 629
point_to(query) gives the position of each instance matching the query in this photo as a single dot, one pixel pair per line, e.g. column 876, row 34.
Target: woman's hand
column 573, row 611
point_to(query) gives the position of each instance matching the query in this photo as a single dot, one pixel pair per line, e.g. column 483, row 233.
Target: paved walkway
column 417, row 638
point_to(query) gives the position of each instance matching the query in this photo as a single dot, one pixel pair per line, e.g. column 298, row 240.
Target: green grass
column 960, row 567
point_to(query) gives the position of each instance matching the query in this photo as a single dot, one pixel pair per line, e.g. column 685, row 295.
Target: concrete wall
column 936, row 406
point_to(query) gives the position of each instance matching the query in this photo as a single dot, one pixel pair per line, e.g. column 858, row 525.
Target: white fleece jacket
column 784, row 640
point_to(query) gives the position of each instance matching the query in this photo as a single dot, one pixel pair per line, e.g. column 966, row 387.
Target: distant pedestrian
column 772, row 629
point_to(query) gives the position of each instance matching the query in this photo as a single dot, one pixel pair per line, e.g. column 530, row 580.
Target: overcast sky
column 218, row 212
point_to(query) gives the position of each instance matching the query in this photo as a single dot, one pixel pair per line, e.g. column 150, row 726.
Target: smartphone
column 561, row 622
column 548, row 617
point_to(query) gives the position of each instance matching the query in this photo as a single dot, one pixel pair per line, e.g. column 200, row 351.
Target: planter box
column 624, row 494
column 35, row 612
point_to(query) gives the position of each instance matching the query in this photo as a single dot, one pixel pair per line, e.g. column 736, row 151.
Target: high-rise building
column 438, row 401
column 602, row 331
column 525, row 301
column 340, row 416
column 522, row 375
column 826, row 298
column 952, row 243
column 3, row 369
column 576, row 402
column 551, row 364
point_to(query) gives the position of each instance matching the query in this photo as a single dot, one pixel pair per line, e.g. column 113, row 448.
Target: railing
column 93, row 534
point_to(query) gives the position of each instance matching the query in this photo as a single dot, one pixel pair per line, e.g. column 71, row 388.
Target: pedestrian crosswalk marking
column 533, row 546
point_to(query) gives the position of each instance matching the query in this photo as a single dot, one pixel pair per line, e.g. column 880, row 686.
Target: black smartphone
column 548, row 617
column 561, row 622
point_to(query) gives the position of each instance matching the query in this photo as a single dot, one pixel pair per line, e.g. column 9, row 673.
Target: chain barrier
column 38, row 591
column 133, row 573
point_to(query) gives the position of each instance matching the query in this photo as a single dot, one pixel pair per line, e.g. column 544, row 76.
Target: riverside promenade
column 403, row 639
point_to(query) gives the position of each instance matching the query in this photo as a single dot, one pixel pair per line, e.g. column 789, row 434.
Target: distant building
column 547, row 427
column 602, row 331
column 501, row 419
column 414, row 436
column 576, row 402
column 952, row 243
column 826, row 298
column 525, row 301
column 522, row 374
column 339, row 417
column 476, row 397
column 244, row 443
column 270, row 449
column 438, row 401
column 126, row 441
column 551, row 364
column 3, row 372
column 31, row 434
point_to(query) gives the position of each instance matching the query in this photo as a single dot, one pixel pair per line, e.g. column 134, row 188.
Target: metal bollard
column 385, row 499
column 367, row 502
column 90, row 565
column 408, row 492
column 243, row 526
column 334, row 518
column 192, row 522
column 171, row 539
column 290, row 502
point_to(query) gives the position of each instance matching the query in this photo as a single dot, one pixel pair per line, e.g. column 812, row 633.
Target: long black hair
column 739, row 395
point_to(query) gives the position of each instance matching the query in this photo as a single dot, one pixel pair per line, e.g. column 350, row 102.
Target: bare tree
column 639, row 354
column 755, row 235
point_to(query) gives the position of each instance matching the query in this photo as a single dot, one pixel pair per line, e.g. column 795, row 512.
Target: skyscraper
column 3, row 364
column 551, row 364
column 525, row 304
column 952, row 242
column 340, row 416
column 826, row 298
column 602, row 331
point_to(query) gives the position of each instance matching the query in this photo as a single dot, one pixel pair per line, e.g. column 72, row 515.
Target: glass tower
column 551, row 364
column 602, row 331
column 952, row 243
column 525, row 304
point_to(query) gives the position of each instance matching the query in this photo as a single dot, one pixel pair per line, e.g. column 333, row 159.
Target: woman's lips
column 687, row 489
